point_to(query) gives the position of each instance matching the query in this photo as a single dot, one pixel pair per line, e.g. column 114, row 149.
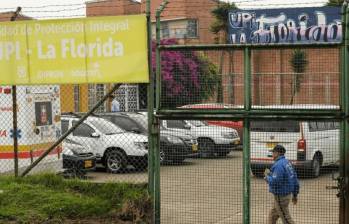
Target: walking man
column 283, row 184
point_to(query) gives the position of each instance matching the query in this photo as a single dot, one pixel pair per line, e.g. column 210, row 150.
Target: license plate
column 271, row 145
column 194, row 148
column 88, row 163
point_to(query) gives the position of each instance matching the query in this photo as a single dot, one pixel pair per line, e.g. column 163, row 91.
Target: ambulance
column 38, row 121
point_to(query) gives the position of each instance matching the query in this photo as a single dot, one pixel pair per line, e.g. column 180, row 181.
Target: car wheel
column 206, row 146
column 162, row 156
column 315, row 167
column 115, row 162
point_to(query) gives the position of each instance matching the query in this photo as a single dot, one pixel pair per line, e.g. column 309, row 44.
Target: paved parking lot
column 210, row 191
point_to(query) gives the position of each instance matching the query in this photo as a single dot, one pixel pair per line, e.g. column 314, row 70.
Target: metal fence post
column 150, row 104
column 246, row 140
column 157, row 198
column 344, row 171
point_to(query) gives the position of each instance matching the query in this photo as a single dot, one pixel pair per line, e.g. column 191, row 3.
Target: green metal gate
column 219, row 187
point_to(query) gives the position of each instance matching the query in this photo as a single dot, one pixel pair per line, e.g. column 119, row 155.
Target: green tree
column 299, row 64
column 220, row 28
column 335, row 2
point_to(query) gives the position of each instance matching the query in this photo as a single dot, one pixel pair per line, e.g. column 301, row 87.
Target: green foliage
column 335, row 3
column 209, row 78
column 299, row 61
column 220, row 25
column 35, row 199
column 221, row 13
column 299, row 64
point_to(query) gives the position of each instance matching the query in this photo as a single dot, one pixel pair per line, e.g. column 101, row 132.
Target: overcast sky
column 43, row 9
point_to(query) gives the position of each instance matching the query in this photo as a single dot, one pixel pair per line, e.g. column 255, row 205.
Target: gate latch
column 341, row 186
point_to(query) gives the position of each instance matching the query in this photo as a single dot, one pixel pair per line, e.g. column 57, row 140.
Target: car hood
column 182, row 135
column 75, row 148
column 213, row 128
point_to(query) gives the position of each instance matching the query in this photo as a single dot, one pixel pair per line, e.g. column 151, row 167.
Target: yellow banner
column 91, row 50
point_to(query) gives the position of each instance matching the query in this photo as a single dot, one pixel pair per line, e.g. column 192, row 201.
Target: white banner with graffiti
column 293, row 25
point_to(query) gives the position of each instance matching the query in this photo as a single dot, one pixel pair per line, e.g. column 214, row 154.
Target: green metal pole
column 247, row 78
column 150, row 103
column 158, row 56
column 344, row 202
column 157, row 198
column 344, row 62
column 246, row 141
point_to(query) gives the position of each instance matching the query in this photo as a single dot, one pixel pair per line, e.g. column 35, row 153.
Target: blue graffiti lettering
column 280, row 29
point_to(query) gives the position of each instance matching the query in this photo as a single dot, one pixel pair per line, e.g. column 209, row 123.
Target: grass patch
column 39, row 198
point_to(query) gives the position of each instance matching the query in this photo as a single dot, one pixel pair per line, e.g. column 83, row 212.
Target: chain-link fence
column 106, row 146
column 206, row 97
column 283, row 78
column 313, row 147
column 206, row 187
column 210, row 85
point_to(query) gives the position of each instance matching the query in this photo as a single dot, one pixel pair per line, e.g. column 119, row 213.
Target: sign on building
column 89, row 50
column 292, row 25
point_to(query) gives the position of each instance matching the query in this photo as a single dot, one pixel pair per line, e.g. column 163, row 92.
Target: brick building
column 189, row 22
column 182, row 20
column 272, row 73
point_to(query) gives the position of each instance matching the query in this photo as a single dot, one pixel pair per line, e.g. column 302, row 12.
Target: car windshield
column 275, row 126
column 106, row 127
column 142, row 120
column 128, row 124
column 198, row 123
column 70, row 141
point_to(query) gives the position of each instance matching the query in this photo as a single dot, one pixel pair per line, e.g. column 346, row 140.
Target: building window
column 95, row 94
column 192, row 28
column 76, row 98
column 165, row 31
column 127, row 95
column 178, row 28
column 179, row 33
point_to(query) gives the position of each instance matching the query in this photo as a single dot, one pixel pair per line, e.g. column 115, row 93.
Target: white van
column 309, row 144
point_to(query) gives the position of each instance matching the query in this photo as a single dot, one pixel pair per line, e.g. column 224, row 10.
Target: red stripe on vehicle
column 27, row 155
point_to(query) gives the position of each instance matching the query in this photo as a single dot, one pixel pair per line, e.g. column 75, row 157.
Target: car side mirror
column 135, row 130
column 95, row 135
column 187, row 126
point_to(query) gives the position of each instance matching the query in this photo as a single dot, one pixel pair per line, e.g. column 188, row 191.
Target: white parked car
column 77, row 159
column 212, row 140
column 112, row 146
